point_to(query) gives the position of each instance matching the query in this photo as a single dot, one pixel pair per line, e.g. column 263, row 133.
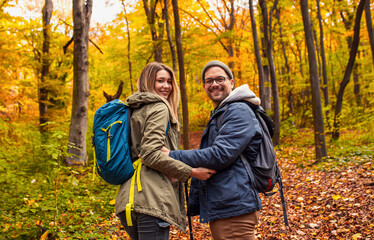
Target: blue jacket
column 229, row 192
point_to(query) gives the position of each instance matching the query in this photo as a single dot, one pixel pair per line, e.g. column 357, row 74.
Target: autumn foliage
column 43, row 198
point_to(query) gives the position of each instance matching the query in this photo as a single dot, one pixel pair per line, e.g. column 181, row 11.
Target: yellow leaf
column 6, row 227
column 45, row 235
column 30, row 202
column 336, row 197
column 112, row 202
column 356, row 236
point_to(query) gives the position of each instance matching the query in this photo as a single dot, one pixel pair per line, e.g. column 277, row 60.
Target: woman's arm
column 154, row 138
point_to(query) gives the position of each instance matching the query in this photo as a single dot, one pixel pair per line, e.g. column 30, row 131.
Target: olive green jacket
column 160, row 197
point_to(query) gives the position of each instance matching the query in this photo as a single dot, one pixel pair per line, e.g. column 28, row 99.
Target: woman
column 157, row 200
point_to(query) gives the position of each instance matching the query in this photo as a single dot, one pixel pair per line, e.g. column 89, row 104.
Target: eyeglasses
column 219, row 80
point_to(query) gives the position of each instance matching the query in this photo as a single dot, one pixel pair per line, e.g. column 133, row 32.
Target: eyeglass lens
column 219, row 80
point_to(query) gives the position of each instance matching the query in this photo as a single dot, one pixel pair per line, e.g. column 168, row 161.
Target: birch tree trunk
column 319, row 132
column 82, row 10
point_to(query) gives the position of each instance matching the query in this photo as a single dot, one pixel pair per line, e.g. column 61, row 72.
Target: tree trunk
column 300, row 58
column 43, row 88
column 82, row 10
column 128, row 47
column 172, row 48
column 369, row 25
column 325, row 88
column 150, row 12
column 265, row 43
column 228, row 28
column 348, row 70
column 258, row 55
column 356, row 88
column 319, row 133
column 274, row 86
column 223, row 12
column 323, row 57
column 182, row 80
column 290, row 93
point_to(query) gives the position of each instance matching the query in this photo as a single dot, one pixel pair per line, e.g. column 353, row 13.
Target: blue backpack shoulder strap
column 167, row 128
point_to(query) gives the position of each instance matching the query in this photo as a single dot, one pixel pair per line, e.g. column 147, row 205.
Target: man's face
column 218, row 92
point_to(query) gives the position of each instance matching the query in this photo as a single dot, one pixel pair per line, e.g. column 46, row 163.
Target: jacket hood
column 241, row 93
column 141, row 98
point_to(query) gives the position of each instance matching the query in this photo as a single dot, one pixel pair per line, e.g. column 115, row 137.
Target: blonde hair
column 146, row 83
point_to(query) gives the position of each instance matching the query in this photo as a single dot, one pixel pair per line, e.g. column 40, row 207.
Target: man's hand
column 165, row 150
column 202, row 173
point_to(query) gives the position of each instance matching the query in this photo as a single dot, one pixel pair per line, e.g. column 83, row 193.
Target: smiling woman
column 163, row 84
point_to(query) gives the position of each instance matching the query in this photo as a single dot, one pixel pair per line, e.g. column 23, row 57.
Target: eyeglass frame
column 215, row 80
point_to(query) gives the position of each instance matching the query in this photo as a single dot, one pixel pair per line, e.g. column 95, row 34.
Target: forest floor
column 336, row 203
column 44, row 199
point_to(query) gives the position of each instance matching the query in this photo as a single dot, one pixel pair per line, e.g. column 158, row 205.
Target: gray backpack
column 265, row 170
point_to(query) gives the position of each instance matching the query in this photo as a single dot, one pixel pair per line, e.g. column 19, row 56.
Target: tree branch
column 219, row 40
column 96, row 46
column 211, row 19
column 65, row 47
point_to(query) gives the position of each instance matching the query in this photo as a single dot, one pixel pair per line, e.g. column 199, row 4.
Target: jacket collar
column 238, row 94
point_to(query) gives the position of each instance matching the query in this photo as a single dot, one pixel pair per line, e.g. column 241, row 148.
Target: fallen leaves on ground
column 320, row 204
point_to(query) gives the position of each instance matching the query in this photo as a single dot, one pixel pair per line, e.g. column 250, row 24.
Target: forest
column 310, row 62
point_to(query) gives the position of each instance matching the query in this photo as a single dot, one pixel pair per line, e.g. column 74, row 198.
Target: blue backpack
column 111, row 142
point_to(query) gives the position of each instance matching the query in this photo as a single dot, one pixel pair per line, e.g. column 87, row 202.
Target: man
column 227, row 201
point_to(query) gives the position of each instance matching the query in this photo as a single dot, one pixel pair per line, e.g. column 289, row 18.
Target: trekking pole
column 189, row 217
column 283, row 203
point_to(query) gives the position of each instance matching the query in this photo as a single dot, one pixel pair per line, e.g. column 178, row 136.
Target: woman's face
column 163, row 84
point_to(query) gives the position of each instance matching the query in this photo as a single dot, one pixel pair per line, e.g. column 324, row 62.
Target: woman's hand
column 202, row 173
column 165, row 150
column 199, row 173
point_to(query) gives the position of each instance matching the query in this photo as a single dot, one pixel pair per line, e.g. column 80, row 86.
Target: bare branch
column 196, row 19
column 211, row 19
column 65, row 47
column 232, row 16
column 115, row 96
column 67, row 24
column 223, row 16
column 96, row 46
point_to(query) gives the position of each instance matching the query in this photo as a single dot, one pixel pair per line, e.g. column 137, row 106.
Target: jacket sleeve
column 239, row 126
column 152, row 141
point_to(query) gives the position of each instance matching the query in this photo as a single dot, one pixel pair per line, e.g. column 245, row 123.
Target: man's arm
column 239, row 126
